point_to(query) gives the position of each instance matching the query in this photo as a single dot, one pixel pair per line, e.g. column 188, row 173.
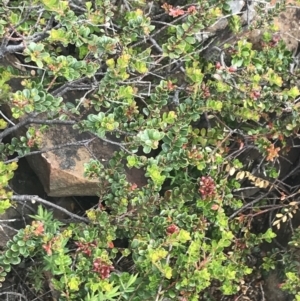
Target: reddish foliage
column 133, row 187
column 110, row 244
column 176, row 12
column 191, row 9
column 47, row 248
column 218, row 65
column 173, row 11
column 170, row 86
column 272, row 152
column 85, row 248
column 102, row 268
column 172, row 229
column 205, row 90
column 232, row 69
column 166, row 7
column 38, row 228
column 207, row 187
column 215, row 207
column 30, row 142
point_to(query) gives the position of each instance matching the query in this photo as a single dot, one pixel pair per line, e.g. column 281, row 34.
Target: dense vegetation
column 190, row 120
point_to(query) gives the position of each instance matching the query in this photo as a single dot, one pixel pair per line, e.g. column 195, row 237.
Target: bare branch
column 71, row 85
column 118, row 144
column 76, row 7
column 31, row 120
column 248, row 205
column 36, row 37
column 77, row 143
column 35, row 198
column 10, row 130
column 20, row 47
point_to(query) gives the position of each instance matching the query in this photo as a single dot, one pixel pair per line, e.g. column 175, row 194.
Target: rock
column 288, row 23
column 12, row 60
column 272, row 288
column 62, row 171
column 236, row 6
column 66, row 203
column 7, row 232
column 219, row 28
column 220, row 33
column 25, row 181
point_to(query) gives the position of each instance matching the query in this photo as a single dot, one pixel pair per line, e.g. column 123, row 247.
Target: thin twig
column 11, row 220
column 66, row 87
column 8, row 227
column 14, row 294
column 83, row 97
column 6, row 118
column 248, row 205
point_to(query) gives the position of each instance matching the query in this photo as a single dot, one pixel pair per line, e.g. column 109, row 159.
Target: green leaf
column 146, row 149
column 15, row 260
column 293, row 92
column 73, row 283
column 15, row 248
column 21, row 243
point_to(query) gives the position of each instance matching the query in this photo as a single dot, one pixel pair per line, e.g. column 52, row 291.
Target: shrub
column 185, row 119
